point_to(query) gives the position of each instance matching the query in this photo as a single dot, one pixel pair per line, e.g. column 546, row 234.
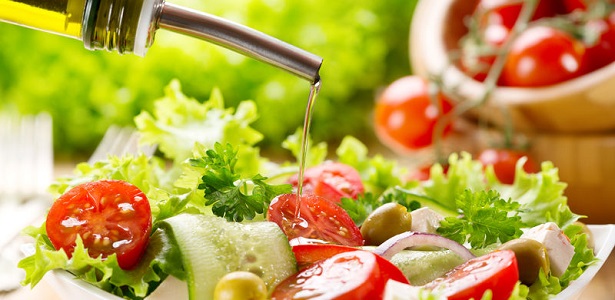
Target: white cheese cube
column 425, row 219
column 559, row 248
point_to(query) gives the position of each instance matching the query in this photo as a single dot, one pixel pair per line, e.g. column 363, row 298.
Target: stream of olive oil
column 314, row 90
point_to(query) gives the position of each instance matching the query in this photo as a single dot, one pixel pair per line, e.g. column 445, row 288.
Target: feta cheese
column 559, row 248
column 425, row 219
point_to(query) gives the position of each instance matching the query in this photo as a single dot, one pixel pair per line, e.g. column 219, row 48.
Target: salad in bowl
column 212, row 215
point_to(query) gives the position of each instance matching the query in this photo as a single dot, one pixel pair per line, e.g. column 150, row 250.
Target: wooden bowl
column 583, row 104
column 571, row 124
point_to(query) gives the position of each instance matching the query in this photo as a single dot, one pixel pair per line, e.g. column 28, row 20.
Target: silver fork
column 119, row 141
column 116, row 141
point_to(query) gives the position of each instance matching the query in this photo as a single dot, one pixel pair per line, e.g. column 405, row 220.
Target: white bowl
column 67, row 287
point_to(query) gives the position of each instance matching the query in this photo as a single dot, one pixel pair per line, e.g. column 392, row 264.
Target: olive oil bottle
column 101, row 24
column 129, row 26
column 60, row 17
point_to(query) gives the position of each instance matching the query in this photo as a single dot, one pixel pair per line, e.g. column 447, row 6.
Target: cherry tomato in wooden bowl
column 110, row 216
column 498, row 17
column 542, row 56
column 405, row 115
column 601, row 51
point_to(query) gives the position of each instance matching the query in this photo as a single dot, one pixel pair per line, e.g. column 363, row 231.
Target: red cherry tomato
column 572, row 5
column 602, row 52
column 111, row 216
column 315, row 218
column 405, row 117
column 347, row 275
column 331, row 180
column 498, row 17
column 496, row 271
column 476, row 66
column 504, row 163
column 424, row 173
column 308, row 254
column 542, row 56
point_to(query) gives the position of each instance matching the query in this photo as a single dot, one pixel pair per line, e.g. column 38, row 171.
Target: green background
column 364, row 45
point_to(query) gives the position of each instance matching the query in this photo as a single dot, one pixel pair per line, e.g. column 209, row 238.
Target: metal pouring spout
column 242, row 39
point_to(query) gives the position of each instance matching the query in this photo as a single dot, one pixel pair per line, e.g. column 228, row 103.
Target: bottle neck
column 125, row 26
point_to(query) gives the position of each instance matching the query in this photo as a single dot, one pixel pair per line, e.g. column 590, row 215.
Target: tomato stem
column 490, row 81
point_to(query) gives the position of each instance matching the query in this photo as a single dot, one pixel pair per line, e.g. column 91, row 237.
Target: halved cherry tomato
column 542, row 56
column 331, row 180
column 111, row 216
column 347, row 275
column 317, row 218
column 504, row 163
column 496, row 271
column 309, row 254
column 406, row 117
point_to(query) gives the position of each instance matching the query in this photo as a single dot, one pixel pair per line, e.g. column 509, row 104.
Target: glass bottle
column 129, row 26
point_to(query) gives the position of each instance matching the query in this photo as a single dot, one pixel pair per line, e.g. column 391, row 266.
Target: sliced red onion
column 412, row 238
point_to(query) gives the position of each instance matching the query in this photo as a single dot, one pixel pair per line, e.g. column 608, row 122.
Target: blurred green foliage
column 364, row 45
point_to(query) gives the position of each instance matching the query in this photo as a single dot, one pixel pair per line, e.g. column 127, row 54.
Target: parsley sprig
column 485, row 219
column 229, row 195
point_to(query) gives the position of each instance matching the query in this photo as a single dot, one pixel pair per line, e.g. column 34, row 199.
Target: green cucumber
column 421, row 267
column 212, row 247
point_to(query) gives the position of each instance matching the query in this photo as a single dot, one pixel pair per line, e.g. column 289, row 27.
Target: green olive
column 240, row 285
column 590, row 235
column 385, row 222
column 531, row 257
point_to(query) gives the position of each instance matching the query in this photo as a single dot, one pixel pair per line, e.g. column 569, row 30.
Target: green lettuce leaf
column 463, row 173
column 160, row 259
column 541, row 195
column 179, row 122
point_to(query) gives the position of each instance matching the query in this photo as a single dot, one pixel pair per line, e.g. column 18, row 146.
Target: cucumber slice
column 421, row 267
column 212, row 247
